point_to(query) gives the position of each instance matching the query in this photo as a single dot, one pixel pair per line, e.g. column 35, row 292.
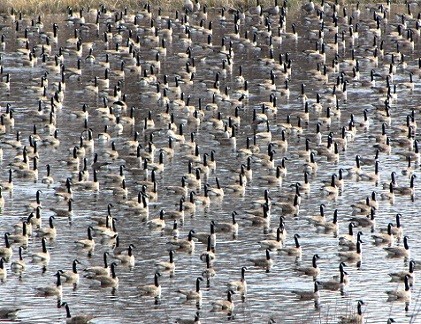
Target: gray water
column 269, row 293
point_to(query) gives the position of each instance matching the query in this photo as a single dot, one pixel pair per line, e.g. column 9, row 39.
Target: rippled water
column 269, row 293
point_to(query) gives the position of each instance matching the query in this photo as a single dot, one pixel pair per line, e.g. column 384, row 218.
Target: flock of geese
column 262, row 136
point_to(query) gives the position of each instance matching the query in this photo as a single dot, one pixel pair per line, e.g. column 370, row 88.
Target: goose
column 354, row 318
column 293, row 250
column 157, row 223
column 400, row 295
column 390, row 195
column 274, row 244
column 31, row 174
column 21, row 238
column 65, row 193
column 167, row 265
column 313, row 271
column 334, row 284
column 44, row 255
column 400, row 276
column 111, row 280
column 203, row 236
column 18, row 265
column 210, row 251
column 89, row 243
column 289, row 208
column 127, row 259
column 193, row 294
column 91, row 185
column 265, row 262
column 222, row 227
column 226, row 306
column 273, row 179
column 332, row 226
column 78, row 319
column 308, row 294
column 397, row 230
column 49, row 291
column 3, row 270
column 48, row 178
column 68, row 212
column 8, row 313
column 319, row 219
column 8, row 186
column 99, row 270
column 399, row 251
column 365, row 221
column 239, row 286
column 116, row 178
column 48, row 232
column 375, row 176
column 71, row 276
column 179, row 190
column 185, row 245
column 196, row 319
column 152, row 290
column 384, row 238
column 407, row 191
column 352, row 256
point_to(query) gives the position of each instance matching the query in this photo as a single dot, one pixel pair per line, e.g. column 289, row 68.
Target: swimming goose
column 334, row 284
column 400, row 276
column 179, row 190
column 152, row 290
column 265, row 262
column 397, row 230
column 49, row 291
column 400, row 295
column 18, row 265
column 352, row 256
column 404, row 190
column 167, row 265
column 384, row 238
column 274, row 244
column 8, row 186
column 78, row 319
column 399, row 251
column 184, row 245
column 110, row 280
column 8, row 313
column 226, row 306
column 48, row 232
column 44, row 255
column 313, row 271
column 21, row 238
column 71, row 276
column 127, row 259
column 289, row 208
column 89, row 243
column 193, row 294
column 48, row 179
column 157, row 223
column 308, row 294
column 99, row 270
column 3, row 270
column 365, row 221
column 68, row 212
column 65, row 193
column 293, row 250
column 239, row 286
column 354, row 318
column 319, row 219
column 228, row 227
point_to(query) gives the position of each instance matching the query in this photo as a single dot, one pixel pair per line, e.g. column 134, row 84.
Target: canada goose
column 110, row 280
column 401, row 295
column 21, row 238
column 365, row 221
column 274, row 244
column 48, row 232
column 407, row 191
column 8, row 186
column 399, row 251
column 18, row 265
column 313, row 271
column 384, row 238
column 99, row 270
column 193, row 294
column 78, row 319
column 228, row 227
column 31, row 174
column 116, row 178
column 319, row 219
column 397, row 230
column 8, row 313
column 3, row 270
column 127, row 259
column 48, row 179
column 308, row 294
column 65, row 193
column 167, row 265
column 152, row 290
column 293, row 250
column 49, row 291
column 289, row 208
column 334, row 284
column 68, row 212
column 210, row 251
column 224, row 305
column 400, row 276
column 71, row 276
column 354, row 318
column 185, row 245
column 352, row 256
column 265, row 262
column 179, row 190
column 329, row 227
column 239, row 286
column 89, row 243
column 157, row 223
